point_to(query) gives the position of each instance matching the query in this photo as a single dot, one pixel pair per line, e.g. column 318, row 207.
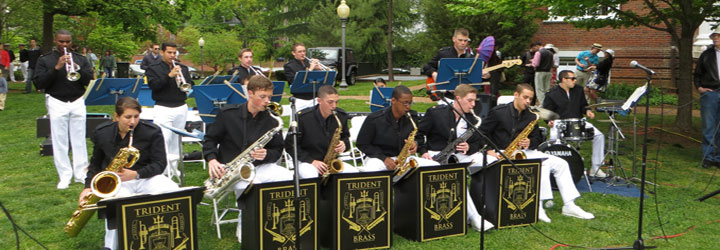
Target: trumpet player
column 317, row 126
column 237, row 127
column 300, row 62
column 165, row 79
column 65, row 106
column 245, row 69
column 146, row 175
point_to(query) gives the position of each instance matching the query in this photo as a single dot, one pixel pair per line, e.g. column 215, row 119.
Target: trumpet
column 325, row 68
column 180, row 80
column 257, row 72
column 71, row 68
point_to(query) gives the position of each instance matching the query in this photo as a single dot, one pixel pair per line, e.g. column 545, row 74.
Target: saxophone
column 105, row 184
column 446, row 155
column 512, row 151
column 333, row 164
column 402, row 164
column 241, row 167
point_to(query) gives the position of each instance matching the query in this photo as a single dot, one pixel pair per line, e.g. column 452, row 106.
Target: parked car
column 135, row 70
column 332, row 58
column 400, row 71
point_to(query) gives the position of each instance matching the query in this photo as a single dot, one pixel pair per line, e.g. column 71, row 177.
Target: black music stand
column 380, row 98
column 454, row 71
column 210, row 98
column 311, row 81
column 278, row 89
column 106, row 91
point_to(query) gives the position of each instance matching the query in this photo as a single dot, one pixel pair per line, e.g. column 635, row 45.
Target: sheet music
column 634, row 97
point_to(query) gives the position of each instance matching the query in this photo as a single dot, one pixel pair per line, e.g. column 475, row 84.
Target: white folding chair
column 353, row 154
column 218, row 216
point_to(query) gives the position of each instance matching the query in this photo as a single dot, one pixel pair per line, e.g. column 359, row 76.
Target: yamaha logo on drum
column 560, row 153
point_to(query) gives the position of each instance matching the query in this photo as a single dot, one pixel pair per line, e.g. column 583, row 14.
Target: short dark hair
column 296, row 45
column 61, row 32
column 167, row 44
column 258, row 82
column 243, row 51
column 326, row 90
column 379, row 79
column 563, row 74
column 125, row 103
column 461, row 31
column 536, row 43
column 400, row 90
column 523, row 86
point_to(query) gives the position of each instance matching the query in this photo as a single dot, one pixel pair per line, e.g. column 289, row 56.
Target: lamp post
column 201, row 43
column 343, row 11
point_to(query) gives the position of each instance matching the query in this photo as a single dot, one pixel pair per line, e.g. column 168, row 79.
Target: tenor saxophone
column 446, row 155
column 403, row 164
column 513, row 151
column 105, row 184
column 333, row 164
column 241, row 167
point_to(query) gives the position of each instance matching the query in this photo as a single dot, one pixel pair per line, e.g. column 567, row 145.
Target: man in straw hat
column 586, row 62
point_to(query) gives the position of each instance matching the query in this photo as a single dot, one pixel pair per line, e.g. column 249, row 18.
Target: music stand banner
column 106, row 91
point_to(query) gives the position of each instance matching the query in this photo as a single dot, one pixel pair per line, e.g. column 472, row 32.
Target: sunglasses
column 572, row 78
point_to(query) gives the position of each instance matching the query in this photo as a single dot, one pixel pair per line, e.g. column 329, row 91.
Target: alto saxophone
column 241, row 167
column 446, row 155
column 402, row 163
column 333, row 164
column 513, row 151
column 105, row 184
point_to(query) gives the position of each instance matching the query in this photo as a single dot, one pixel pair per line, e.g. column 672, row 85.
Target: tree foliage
column 220, row 50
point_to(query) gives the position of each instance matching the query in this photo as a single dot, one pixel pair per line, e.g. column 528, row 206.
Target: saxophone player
column 170, row 108
column 146, row 175
column 237, row 127
column 384, row 133
column 317, row 126
column 442, row 126
column 505, row 122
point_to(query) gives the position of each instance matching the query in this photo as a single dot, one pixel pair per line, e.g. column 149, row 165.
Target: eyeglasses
column 406, row 104
column 571, row 78
column 156, row 48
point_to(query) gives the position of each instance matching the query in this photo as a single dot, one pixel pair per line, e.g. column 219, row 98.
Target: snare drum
column 567, row 153
column 571, row 129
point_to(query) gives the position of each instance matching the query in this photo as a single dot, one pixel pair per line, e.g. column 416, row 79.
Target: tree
column 679, row 18
column 220, row 48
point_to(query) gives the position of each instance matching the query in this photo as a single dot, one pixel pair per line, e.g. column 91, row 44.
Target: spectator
column 380, row 83
column 529, row 73
column 152, row 57
column 11, row 66
column 586, row 63
column 32, row 56
column 108, row 63
column 4, row 61
column 3, row 92
column 601, row 78
column 543, row 61
column 23, row 61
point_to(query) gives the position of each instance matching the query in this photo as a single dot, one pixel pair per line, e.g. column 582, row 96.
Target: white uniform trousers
column 307, row 170
column 598, row 145
column 268, row 172
column 153, row 185
column 171, row 117
column 476, row 158
column 67, row 119
column 11, row 68
column 375, row 164
column 23, row 69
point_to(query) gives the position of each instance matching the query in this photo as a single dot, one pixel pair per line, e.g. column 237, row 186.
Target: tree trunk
column 685, row 85
column 47, row 38
column 389, row 48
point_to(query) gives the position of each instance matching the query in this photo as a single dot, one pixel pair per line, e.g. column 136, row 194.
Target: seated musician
column 300, row 63
column 505, row 122
column 146, row 175
column 317, row 127
column 238, row 127
column 442, row 125
column 384, row 133
column 568, row 100
column 245, row 69
column 379, row 82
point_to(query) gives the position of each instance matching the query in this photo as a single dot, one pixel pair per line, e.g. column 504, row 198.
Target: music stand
column 311, row 81
column 278, row 89
column 210, row 98
column 210, row 80
column 454, row 71
column 145, row 96
column 106, row 91
column 380, row 98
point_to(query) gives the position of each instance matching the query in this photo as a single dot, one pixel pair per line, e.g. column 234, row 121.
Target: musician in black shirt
column 145, row 177
column 65, row 106
column 568, row 100
column 505, row 122
column 300, row 63
column 238, row 127
column 170, row 109
column 460, row 49
column 245, row 69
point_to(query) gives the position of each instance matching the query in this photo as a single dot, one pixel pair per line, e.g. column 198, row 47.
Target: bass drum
column 567, row 153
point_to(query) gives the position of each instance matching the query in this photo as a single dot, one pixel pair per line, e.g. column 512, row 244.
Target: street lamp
column 343, row 11
column 201, row 43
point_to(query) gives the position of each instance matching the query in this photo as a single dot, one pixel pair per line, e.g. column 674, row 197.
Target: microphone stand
column 484, row 164
column 639, row 243
column 292, row 131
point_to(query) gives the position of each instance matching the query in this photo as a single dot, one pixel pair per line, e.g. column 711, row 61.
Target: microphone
column 292, row 99
column 637, row 65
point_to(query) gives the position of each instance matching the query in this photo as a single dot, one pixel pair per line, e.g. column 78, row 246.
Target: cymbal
column 604, row 104
column 544, row 113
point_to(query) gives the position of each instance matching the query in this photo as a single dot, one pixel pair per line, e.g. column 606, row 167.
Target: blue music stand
column 278, row 89
column 311, row 81
column 106, row 91
column 210, row 98
column 454, row 71
column 145, row 96
column 380, row 98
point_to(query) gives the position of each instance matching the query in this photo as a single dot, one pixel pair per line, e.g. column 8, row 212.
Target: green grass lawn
column 27, row 190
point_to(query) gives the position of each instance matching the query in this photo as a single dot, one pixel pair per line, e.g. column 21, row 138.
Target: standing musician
column 504, row 123
column 316, row 127
column 239, row 126
column 384, row 133
column 460, row 49
column 441, row 126
column 170, row 108
column 65, row 106
column 300, row 63
column 245, row 69
column 146, row 175
column 568, row 100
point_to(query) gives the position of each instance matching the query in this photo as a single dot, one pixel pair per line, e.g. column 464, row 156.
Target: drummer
column 568, row 100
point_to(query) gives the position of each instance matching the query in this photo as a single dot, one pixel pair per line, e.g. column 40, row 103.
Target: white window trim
column 560, row 19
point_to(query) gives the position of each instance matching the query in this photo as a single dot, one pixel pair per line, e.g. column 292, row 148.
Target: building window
column 598, row 12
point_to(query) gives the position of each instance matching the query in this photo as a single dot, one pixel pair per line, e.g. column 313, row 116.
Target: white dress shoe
column 63, row 185
column 475, row 223
column 543, row 216
column 577, row 212
column 598, row 174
